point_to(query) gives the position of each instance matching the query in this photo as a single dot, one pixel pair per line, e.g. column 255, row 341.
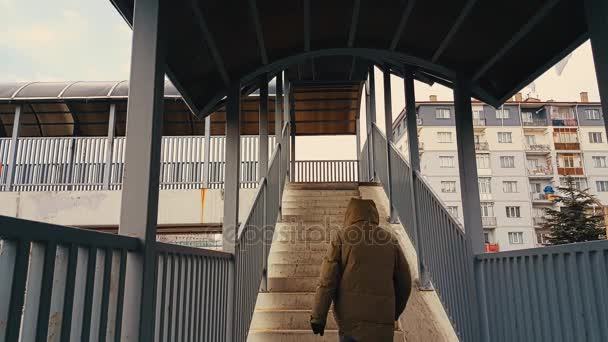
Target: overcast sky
column 69, row 40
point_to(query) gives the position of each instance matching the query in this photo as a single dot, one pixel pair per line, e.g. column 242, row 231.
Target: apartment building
column 525, row 149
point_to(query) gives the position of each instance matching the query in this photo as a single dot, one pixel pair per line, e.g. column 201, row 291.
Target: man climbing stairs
column 310, row 212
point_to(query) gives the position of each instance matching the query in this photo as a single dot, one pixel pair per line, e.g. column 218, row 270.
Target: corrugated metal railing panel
column 191, row 293
column 546, row 294
column 60, row 283
column 442, row 237
column 313, row 171
column 364, row 167
column 5, row 144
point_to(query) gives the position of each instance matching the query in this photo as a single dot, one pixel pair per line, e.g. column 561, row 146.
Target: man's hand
column 317, row 326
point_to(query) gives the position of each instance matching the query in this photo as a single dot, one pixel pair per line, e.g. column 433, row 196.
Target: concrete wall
column 102, row 208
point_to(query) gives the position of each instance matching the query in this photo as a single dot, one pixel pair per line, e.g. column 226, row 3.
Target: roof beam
column 448, row 38
column 37, row 119
column 255, row 16
column 354, row 21
column 208, row 37
column 76, row 130
column 538, row 16
column 404, row 17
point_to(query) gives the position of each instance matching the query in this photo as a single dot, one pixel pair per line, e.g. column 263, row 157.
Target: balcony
column 570, row 171
column 488, row 221
column 567, row 146
column 564, row 122
column 482, row 146
column 492, row 248
column 538, row 221
column 535, row 122
column 540, row 171
column 540, row 197
column 538, row 149
column 479, row 122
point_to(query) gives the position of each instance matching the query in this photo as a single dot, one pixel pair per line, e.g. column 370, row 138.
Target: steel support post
column 278, row 127
column 424, row 280
column 232, row 169
column 12, row 153
column 292, row 130
column 469, row 190
column 107, row 173
column 597, row 25
column 388, row 127
column 358, row 146
column 207, row 151
column 372, row 120
column 263, row 172
column 139, row 204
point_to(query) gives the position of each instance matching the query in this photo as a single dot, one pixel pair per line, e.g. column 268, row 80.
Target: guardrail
column 546, row 294
column 61, row 283
column 335, row 171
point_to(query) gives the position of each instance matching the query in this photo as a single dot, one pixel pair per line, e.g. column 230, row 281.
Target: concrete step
column 296, row 257
column 315, row 203
column 292, row 284
column 294, row 270
column 286, row 319
column 304, row 335
column 321, row 193
column 304, row 218
column 285, row 300
column 324, row 186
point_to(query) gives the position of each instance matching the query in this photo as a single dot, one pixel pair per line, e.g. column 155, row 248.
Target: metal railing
column 312, row 171
column 535, row 122
column 59, row 283
column 482, row 146
column 540, row 171
column 538, row 148
column 479, row 122
column 488, row 221
column 442, row 237
column 80, row 163
column 546, row 294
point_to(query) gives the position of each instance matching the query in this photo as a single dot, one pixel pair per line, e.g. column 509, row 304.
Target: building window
column 448, row 186
column 567, row 161
column 442, row 113
column 516, row 238
column 530, row 140
column 595, row 137
column 577, row 183
column 504, row 137
column 602, row 186
column 513, row 212
column 565, row 137
column 599, row 161
column 485, row 185
column 444, row 137
column 446, row 161
column 483, row 161
column 507, row 162
column 502, row 113
column 487, row 209
column 453, row 210
column 592, row 114
column 486, row 237
column 509, row 186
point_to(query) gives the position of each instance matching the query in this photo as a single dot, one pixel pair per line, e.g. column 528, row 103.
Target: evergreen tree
column 574, row 221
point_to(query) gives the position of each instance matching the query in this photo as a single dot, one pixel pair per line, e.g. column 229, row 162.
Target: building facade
column 525, row 149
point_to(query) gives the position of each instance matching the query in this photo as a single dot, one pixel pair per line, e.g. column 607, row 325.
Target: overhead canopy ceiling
column 500, row 45
column 82, row 109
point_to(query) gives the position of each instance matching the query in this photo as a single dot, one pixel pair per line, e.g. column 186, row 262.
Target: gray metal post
column 597, row 24
column 388, row 127
column 469, row 190
column 278, row 111
column 232, row 169
column 358, row 143
column 207, row 152
column 12, row 156
column 263, row 171
column 372, row 121
column 292, row 130
column 139, row 204
column 109, row 147
column 424, row 280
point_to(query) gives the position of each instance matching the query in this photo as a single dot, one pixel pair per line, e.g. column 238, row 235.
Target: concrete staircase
column 310, row 212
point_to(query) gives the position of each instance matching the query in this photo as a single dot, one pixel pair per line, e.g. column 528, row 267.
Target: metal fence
column 546, row 294
column 442, row 237
column 335, row 171
column 59, row 283
column 80, row 163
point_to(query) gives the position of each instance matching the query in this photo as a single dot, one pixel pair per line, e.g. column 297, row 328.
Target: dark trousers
column 344, row 338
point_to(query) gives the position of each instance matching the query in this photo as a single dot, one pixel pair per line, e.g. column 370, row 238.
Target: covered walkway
column 215, row 53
